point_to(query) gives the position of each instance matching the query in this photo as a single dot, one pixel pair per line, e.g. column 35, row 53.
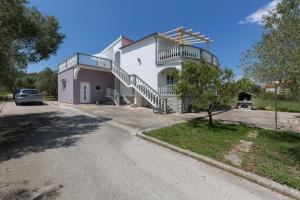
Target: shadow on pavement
column 37, row 132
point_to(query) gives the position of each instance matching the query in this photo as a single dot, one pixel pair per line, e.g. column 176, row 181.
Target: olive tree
column 26, row 36
column 205, row 85
column 276, row 57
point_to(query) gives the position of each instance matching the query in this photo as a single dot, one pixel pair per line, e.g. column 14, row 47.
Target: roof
column 246, row 93
column 126, row 38
column 139, row 40
column 112, row 44
column 269, row 85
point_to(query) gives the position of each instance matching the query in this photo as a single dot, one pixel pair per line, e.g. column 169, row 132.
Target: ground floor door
column 85, row 92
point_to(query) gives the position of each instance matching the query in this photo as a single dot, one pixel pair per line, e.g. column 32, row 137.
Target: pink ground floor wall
column 71, row 94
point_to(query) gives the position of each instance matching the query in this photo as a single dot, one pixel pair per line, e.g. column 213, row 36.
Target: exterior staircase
column 158, row 103
column 114, row 97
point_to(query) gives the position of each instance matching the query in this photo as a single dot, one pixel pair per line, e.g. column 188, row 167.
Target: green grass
column 2, row 96
column 273, row 155
column 50, row 98
column 282, row 105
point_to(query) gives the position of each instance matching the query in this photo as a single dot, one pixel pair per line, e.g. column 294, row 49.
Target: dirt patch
column 252, row 134
column 235, row 154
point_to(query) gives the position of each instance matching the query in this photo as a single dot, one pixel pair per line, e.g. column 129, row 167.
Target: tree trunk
column 209, row 111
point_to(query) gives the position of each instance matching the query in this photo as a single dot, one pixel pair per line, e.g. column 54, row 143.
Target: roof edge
column 139, row 40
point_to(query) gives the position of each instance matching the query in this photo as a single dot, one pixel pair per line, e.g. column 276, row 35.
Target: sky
column 91, row 25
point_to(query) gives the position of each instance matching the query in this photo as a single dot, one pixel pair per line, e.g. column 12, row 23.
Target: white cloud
column 257, row 16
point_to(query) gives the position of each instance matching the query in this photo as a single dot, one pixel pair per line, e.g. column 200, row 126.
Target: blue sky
column 91, row 25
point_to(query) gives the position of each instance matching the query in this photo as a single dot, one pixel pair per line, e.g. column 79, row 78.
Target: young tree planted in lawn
column 26, row 36
column 205, row 85
column 277, row 56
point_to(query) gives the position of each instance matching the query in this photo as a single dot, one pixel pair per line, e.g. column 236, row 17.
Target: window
column 170, row 80
column 98, row 88
column 64, row 84
column 30, row 92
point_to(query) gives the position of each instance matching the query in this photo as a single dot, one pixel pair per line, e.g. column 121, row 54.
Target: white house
column 133, row 72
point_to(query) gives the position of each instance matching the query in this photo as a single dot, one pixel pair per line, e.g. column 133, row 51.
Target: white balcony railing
column 166, row 90
column 85, row 59
column 185, row 52
column 150, row 94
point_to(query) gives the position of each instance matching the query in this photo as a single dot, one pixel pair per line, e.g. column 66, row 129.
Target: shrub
column 269, row 107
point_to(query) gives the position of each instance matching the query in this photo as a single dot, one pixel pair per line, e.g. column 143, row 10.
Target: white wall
column 145, row 51
column 127, row 91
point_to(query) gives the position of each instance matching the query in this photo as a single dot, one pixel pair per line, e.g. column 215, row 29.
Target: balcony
column 180, row 52
column 166, row 90
column 85, row 60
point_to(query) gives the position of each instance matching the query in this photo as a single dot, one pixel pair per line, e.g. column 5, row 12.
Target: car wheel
column 41, row 103
column 17, row 103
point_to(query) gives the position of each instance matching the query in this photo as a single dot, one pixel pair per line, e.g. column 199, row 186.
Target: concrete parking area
column 287, row 121
column 138, row 118
column 144, row 118
column 59, row 151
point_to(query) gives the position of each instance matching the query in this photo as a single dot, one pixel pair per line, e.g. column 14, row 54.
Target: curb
column 287, row 191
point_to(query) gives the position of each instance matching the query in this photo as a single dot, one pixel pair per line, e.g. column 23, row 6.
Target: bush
column 269, row 107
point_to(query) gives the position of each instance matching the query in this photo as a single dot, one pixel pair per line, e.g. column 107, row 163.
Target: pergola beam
column 182, row 36
column 198, row 42
column 198, row 37
column 173, row 30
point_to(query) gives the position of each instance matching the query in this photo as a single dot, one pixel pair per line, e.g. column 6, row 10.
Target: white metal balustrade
column 151, row 95
column 70, row 62
column 87, row 60
column 166, row 90
column 185, row 52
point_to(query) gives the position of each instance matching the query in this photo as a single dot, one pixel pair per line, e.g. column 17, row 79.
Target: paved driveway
column 55, row 152
column 143, row 118
column 264, row 119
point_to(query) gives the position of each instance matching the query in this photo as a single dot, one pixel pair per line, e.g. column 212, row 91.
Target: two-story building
column 135, row 72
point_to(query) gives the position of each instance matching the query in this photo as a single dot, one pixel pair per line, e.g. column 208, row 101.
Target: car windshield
column 29, row 91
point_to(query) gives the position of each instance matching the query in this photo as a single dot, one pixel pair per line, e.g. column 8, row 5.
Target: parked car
column 28, row 96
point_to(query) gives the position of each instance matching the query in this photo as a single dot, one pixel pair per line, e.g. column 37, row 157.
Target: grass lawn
column 2, row 96
column 50, row 98
column 268, row 104
column 273, row 155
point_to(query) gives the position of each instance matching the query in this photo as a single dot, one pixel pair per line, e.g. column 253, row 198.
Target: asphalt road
column 50, row 152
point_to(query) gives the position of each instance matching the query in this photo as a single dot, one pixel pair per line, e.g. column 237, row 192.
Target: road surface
column 51, row 152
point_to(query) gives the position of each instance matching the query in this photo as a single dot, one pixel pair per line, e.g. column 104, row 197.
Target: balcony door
column 85, row 92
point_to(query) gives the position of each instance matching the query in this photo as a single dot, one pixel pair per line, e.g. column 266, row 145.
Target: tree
column 26, row 36
column 277, row 56
column 25, row 80
column 205, row 85
column 46, row 81
column 244, row 84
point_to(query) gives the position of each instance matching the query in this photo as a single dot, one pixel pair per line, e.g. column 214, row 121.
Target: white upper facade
column 149, row 58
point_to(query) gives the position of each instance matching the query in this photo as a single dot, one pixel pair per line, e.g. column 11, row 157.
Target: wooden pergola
column 182, row 36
